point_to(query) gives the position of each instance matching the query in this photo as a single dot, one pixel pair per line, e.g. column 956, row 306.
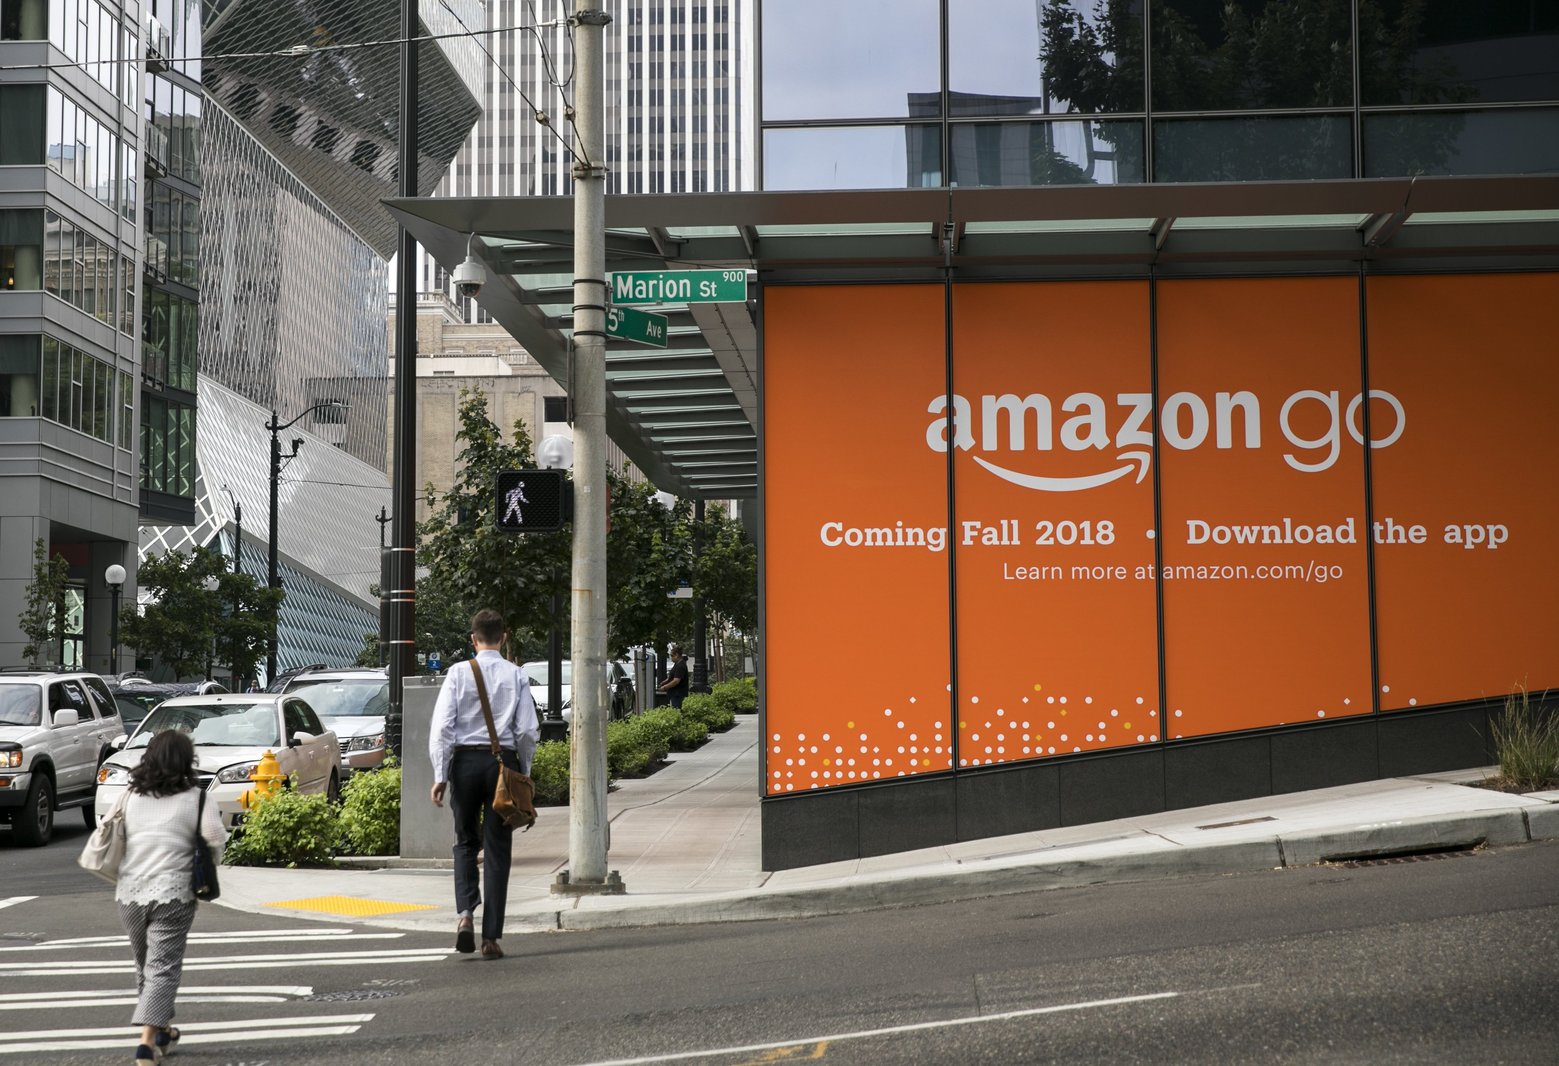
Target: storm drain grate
column 350, row 995
column 1397, row 860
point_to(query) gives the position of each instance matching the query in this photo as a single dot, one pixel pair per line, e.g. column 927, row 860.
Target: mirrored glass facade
column 1171, row 91
column 292, row 301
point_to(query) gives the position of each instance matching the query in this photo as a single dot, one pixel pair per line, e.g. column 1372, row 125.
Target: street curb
column 1433, row 833
column 1154, row 858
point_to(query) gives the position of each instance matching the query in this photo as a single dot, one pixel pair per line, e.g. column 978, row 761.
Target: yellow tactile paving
column 351, row 905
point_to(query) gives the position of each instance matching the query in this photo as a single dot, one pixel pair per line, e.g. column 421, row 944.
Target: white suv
column 55, row 729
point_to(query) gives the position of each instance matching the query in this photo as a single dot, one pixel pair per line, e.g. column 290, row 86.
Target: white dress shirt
column 457, row 716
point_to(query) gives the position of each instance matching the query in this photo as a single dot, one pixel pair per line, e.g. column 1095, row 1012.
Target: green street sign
column 644, row 327
column 677, row 287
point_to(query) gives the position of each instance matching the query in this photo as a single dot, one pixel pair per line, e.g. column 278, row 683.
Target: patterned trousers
column 158, row 932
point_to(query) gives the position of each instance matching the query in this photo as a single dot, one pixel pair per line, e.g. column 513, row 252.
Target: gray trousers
column 158, row 932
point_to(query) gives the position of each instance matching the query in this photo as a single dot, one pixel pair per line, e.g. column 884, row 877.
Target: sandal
column 167, row 1040
column 465, row 936
column 145, row 1056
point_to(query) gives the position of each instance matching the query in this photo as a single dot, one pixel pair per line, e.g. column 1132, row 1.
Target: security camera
column 469, row 277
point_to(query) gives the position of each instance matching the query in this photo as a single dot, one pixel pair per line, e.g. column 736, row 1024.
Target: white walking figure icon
column 512, row 500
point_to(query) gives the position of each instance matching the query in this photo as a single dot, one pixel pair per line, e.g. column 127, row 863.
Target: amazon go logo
column 1311, row 423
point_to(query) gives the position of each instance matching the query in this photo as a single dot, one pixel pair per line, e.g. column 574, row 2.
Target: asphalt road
column 1450, row 960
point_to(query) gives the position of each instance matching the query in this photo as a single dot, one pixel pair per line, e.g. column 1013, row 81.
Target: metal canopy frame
column 686, row 414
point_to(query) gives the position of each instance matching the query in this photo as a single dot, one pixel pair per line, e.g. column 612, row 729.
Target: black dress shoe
column 465, row 937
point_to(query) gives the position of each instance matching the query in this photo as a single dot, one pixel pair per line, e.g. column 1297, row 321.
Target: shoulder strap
column 487, row 708
column 200, row 809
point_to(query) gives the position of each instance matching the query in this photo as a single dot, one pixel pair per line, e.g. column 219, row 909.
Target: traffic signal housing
column 531, row 501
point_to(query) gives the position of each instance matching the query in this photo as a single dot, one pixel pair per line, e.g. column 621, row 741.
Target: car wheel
column 333, row 790
column 89, row 815
column 34, row 823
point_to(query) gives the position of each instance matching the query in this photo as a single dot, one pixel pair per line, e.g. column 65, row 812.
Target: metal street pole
column 403, row 532
column 270, row 571
column 699, row 682
column 587, row 814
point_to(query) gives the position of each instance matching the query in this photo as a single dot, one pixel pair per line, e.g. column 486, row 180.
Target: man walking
column 463, row 766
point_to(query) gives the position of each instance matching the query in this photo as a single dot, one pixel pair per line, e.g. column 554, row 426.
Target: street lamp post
column 272, row 579
column 114, row 578
column 211, row 584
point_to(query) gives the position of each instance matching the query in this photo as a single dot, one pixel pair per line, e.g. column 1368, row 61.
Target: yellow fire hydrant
column 267, row 778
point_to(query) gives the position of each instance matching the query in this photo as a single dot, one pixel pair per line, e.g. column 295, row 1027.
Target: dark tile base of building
column 855, row 822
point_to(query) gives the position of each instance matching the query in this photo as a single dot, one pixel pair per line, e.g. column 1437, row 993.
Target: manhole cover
column 350, row 995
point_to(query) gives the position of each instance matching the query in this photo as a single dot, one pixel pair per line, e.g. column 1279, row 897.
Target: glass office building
column 71, row 148
column 959, row 93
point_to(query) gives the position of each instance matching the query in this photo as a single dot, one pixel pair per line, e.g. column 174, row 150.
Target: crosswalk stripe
column 269, row 990
column 67, row 965
column 11, row 901
column 130, row 999
column 188, row 1028
column 266, row 1035
column 209, row 938
column 239, row 962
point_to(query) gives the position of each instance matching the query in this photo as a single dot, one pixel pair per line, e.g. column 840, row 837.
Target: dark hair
column 167, row 766
column 676, row 649
column 488, row 625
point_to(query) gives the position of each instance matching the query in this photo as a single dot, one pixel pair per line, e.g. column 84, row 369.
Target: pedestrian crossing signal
column 531, row 501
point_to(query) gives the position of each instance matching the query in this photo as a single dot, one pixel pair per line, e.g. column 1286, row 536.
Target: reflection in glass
column 863, row 59
column 1268, row 148
column 1451, row 51
column 1022, row 57
column 1226, row 55
column 1046, row 153
column 1462, row 142
column 853, row 157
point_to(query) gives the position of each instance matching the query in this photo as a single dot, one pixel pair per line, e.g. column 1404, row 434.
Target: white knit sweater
column 160, row 845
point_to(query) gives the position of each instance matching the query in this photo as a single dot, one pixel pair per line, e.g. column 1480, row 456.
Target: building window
column 21, row 249
column 554, row 408
column 78, row 391
column 19, row 375
column 21, row 125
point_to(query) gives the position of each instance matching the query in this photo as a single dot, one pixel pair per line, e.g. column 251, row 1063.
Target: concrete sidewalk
column 685, row 841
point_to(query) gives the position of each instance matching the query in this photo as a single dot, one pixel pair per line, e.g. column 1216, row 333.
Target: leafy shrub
column 549, row 771
column 1526, row 742
column 287, row 829
column 690, row 732
column 371, row 811
column 739, row 696
column 626, row 753
column 709, row 712
column 656, row 729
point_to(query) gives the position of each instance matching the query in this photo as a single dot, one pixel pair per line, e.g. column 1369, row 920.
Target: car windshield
column 368, row 697
column 20, row 704
column 133, row 706
column 222, row 725
column 538, row 673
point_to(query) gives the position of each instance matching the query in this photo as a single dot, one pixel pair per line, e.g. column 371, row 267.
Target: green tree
column 725, row 575
column 187, row 626
column 649, row 551
column 45, row 604
column 470, row 564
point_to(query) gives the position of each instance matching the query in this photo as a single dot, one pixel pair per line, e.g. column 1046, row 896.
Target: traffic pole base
column 612, row 886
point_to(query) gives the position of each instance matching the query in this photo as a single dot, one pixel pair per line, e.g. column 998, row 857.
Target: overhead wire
column 540, row 116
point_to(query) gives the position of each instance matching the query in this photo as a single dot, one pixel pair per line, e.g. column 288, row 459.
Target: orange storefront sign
column 1113, row 514
column 1467, row 574
column 855, row 527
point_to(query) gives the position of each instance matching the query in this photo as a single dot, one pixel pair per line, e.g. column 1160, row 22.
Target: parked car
column 55, row 729
column 353, row 703
column 538, row 673
column 231, row 732
column 136, row 697
column 619, row 687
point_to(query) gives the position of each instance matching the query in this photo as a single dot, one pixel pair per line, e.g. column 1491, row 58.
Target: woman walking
column 156, row 902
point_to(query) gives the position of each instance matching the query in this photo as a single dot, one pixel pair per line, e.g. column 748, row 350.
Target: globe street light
column 272, row 581
column 114, row 578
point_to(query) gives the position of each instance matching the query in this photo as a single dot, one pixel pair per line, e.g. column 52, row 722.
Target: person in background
column 463, row 766
column 675, row 684
column 163, row 814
